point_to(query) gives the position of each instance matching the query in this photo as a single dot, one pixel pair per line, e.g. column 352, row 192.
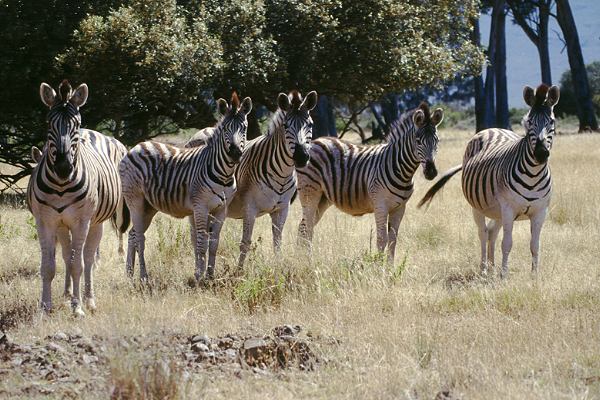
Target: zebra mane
column 65, row 91
column 404, row 124
column 275, row 122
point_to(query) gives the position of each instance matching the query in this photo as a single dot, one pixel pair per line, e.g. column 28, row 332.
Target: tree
column 568, row 100
column 533, row 16
column 146, row 67
column 359, row 51
column 502, row 114
column 581, row 86
column 32, row 34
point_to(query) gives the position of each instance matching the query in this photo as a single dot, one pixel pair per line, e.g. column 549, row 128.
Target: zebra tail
column 121, row 219
column 438, row 185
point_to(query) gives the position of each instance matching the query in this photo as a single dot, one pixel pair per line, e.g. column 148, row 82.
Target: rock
column 199, row 347
column 55, row 347
column 225, row 343
column 60, row 336
column 230, row 354
column 257, row 352
column 87, row 359
column 206, row 356
column 16, row 362
column 287, row 330
column 201, row 338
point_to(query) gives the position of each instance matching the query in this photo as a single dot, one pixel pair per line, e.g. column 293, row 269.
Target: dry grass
column 425, row 325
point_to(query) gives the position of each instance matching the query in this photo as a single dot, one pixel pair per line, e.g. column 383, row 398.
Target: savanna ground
column 427, row 327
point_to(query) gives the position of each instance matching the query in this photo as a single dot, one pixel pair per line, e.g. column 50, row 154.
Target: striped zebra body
column 266, row 175
column 74, row 188
column 370, row 179
column 197, row 182
column 506, row 177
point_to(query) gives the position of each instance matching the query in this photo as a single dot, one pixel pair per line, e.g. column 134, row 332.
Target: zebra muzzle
column 301, row 156
column 541, row 153
column 429, row 170
column 235, row 153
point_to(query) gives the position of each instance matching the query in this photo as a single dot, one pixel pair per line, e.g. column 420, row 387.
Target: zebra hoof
column 90, row 304
column 78, row 312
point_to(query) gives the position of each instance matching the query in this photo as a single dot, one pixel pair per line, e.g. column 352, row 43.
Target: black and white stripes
column 72, row 190
column 197, row 182
column 370, row 179
column 506, row 177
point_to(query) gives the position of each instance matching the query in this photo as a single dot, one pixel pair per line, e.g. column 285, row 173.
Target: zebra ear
column 552, row 96
column 437, row 117
column 283, row 102
column 310, row 101
column 222, row 106
column 79, row 96
column 47, row 94
column 419, row 118
column 36, row 154
column 246, row 105
column 529, row 96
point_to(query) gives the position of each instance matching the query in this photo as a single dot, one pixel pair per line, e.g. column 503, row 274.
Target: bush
column 568, row 102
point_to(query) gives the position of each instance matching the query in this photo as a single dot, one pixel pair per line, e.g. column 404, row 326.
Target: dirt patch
column 65, row 364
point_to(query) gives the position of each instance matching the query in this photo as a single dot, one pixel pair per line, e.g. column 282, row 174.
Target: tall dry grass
column 427, row 324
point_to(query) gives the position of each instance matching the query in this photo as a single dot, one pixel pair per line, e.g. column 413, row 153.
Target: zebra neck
column 52, row 182
column 401, row 157
column 219, row 165
column 527, row 162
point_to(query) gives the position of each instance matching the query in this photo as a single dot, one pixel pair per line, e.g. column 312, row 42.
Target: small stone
column 230, row 353
column 61, row 336
column 55, row 347
column 207, row 355
column 17, row 362
column 287, row 330
column 87, row 359
column 77, row 332
column 225, row 343
column 199, row 347
column 201, row 338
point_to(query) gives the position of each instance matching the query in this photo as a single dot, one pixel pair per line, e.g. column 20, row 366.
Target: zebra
column 180, row 182
column 265, row 176
column 72, row 190
column 116, row 220
column 370, row 179
column 200, row 138
column 506, row 177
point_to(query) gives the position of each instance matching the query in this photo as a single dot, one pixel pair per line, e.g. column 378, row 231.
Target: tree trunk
column 581, row 85
column 478, row 82
column 542, row 44
column 324, row 118
column 502, row 116
column 489, row 107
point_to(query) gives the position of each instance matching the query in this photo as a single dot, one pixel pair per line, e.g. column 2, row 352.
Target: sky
column 522, row 61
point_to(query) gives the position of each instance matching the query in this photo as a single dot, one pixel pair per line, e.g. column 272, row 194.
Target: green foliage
column 265, row 286
column 568, row 103
column 146, row 67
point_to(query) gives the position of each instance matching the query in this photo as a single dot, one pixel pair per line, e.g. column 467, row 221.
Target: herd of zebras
column 84, row 178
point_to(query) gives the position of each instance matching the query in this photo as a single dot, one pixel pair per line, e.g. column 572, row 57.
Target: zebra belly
column 261, row 199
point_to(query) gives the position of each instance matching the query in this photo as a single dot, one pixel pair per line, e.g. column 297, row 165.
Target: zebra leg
column 192, row 231
column 64, row 238
column 47, row 237
column 278, row 219
column 141, row 222
column 508, row 218
column 309, row 198
column 493, row 229
column 201, row 224
column 536, row 222
column 131, row 248
column 79, row 234
column 89, row 258
column 216, row 223
column 483, row 238
column 394, row 220
column 381, row 219
column 248, row 227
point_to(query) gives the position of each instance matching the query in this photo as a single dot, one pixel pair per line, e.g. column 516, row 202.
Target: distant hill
column 522, row 62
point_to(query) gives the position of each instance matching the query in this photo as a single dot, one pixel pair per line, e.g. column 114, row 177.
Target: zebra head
column 426, row 138
column 298, row 124
column 64, row 121
column 539, row 121
column 234, row 125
